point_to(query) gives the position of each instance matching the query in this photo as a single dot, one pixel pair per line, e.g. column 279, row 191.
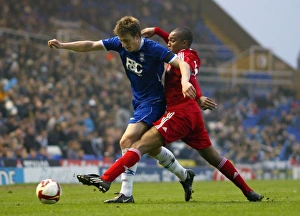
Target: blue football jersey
column 144, row 68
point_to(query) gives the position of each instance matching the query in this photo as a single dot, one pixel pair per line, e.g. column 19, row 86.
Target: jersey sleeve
column 112, row 43
column 196, row 85
column 164, row 35
column 193, row 61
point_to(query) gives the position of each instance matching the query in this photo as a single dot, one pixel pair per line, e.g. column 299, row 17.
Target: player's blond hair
column 128, row 24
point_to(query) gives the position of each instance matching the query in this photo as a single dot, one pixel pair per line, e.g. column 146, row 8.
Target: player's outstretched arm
column 78, row 46
column 188, row 90
column 151, row 31
column 148, row 32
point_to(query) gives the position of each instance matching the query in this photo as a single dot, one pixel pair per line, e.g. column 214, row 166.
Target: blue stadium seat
column 297, row 134
column 56, row 157
column 89, row 157
column 292, row 130
column 250, row 122
column 284, row 107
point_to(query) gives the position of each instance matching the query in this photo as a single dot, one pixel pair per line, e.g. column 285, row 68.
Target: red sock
column 130, row 158
column 227, row 168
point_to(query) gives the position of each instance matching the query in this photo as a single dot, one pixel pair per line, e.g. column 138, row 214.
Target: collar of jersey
column 142, row 43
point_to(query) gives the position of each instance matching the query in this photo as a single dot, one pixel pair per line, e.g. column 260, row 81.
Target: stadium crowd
column 81, row 102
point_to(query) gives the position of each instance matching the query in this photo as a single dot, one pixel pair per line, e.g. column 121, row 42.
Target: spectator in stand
column 11, row 124
column 43, row 154
column 73, row 151
column 33, row 154
column 42, row 139
column 30, row 140
column 21, row 153
column 56, row 136
column 295, row 156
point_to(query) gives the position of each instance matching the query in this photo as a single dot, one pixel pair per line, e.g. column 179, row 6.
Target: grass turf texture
column 154, row 199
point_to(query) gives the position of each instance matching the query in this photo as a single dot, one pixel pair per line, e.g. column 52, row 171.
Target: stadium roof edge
column 242, row 39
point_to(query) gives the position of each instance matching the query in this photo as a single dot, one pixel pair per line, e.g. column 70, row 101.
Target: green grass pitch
column 154, row 199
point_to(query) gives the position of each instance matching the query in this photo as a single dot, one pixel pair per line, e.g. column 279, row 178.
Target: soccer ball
column 48, row 191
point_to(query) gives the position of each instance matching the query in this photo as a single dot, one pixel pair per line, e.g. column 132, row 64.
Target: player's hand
column 206, row 103
column 188, row 90
column 54, row 44
column 148, row 32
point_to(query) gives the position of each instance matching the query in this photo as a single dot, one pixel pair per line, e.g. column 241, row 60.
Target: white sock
column 127, row 178
column 168, row 161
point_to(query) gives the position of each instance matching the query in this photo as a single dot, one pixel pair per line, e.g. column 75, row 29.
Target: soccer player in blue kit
column 143, row 61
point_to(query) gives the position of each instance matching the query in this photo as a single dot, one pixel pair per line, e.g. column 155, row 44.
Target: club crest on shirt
column 134, row 67
column 142, row 57
column 181, row 55
column 168, row 68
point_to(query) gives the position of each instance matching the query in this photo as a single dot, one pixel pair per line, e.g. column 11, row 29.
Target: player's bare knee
column 126, row 142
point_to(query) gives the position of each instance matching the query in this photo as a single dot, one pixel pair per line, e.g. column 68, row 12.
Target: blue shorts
column 148, row 112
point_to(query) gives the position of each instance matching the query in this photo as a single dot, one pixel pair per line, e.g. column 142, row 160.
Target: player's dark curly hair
column 184, row 34
column 128, row 24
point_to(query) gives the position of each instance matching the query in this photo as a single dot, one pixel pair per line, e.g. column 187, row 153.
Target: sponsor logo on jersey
column 163, row 120
column 134, row 67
